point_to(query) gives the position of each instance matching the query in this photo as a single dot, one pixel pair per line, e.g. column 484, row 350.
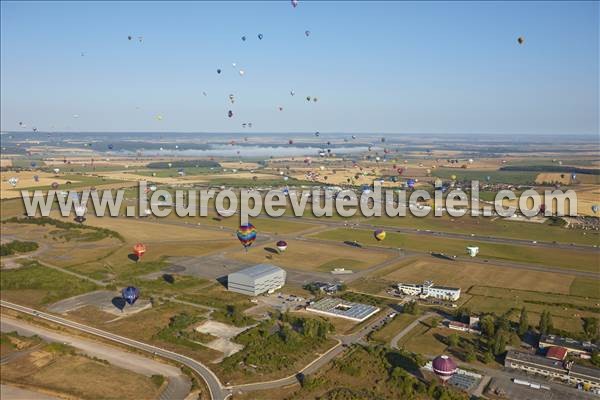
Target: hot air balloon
column 294, row 3
column 246, row 234
column 307, row 33
column 241, row 72
column 243, row 38
column 411, row 183
column 444, row 367
column 218, row 70
column 54, row 185
column 292, row 92
column 260, row 36
column 130, row 294
column 521, row 40
column 453, row 177
column 232, row 98
column 36, row 178
column 13, row 181
column 379, row 234
column 282, row 246
column 230, row 113
column 80, row 210
column 595, row 208
column 139, row 249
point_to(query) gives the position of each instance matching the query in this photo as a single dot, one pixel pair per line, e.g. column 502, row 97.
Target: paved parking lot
column 520, row 392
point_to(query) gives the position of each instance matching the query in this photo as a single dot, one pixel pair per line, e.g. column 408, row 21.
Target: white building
column 428, row 289
column 255, row 280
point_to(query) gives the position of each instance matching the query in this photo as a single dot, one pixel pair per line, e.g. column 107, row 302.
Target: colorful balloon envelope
column 130, row 294
column 444, row 367
column 282, row 245
column 139, row 249
column 246, row 234
column 379, row 234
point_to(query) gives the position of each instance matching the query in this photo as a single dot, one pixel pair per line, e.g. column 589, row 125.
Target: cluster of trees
column 16, row 246
column 179, row 330
column 591, row 328
column 410, row 308
column 546, row 326
column 232, row 315
column 100, row 233
column 277, row 344
column 496, row 333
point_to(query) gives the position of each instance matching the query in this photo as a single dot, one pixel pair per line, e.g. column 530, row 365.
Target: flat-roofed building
column 428, row 289
column 344, row 309
column 255, row 280
column 576, row 347
column 566, row 371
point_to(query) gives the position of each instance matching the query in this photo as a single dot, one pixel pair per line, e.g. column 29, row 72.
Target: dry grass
column 78, row 377
column 464, row 275
column 311, row 256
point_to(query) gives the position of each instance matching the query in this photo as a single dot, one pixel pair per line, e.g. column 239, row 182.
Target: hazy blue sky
column 375, row 67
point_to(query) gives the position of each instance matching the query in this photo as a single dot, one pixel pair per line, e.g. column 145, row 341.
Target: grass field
column 151, row 230
column 561, row 258
column 145, row 326
column 566, row 310
column 422, row 340
column 309, row 256
column 11, row 342
column 511, row 177
column 392, row 328
column 56, row 369
column 465, row 274
column 585, row 288
column 35, row 285
column 486, row 226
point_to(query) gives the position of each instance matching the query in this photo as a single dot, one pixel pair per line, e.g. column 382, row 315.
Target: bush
column 158, row 380
column 16, row 246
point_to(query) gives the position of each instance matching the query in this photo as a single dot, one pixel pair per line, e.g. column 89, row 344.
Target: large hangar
column 255, row 280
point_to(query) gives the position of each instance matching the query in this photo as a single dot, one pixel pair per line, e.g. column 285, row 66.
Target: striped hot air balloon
column 379, row 234
column 246, row 234
column 444, row 367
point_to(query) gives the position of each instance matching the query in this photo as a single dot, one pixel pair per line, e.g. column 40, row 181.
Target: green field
column 77, row 182
column 585, row 288
column 561, row 258
column 37, row 285
column 567, row 311
column 486, row 226
column 392, row 328
column 511, row 177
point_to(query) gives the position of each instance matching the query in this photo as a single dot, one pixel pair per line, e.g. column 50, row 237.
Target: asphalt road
column 217, row 392
column 8, row 392
column 178, row 387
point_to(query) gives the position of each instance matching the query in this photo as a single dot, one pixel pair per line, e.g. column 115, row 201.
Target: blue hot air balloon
column 411, row 183
column 130, row 294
